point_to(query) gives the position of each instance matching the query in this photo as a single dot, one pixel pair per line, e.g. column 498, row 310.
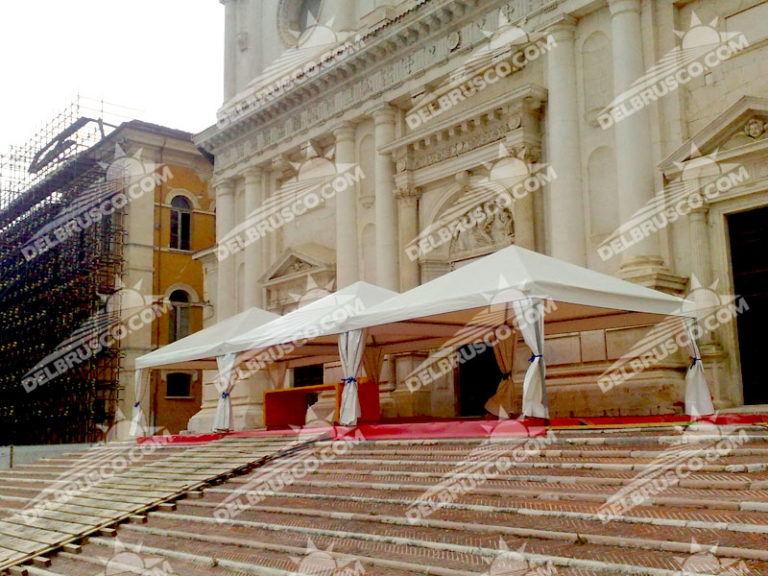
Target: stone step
column 745, row 435
column 735, row 520
column 753, row 464
column 377, row 517
column 688, row 497
column 597, row 453
column 523, row 473
column 286, row 558
column 547, row 507
column 476, row 544
column 111, row 559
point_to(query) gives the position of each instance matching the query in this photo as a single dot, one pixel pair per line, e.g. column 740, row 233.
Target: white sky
column 162, row 58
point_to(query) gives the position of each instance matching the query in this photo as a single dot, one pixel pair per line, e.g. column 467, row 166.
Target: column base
column 244, row 417
column 387, row 404
column 715, row 362
column 649, row 271
column 410, row 404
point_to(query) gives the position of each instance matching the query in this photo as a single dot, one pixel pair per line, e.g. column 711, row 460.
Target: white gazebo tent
column 202, row 350
column 310, row 335
column 535, row 294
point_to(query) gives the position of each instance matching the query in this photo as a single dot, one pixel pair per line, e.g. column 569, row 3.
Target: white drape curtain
column 698, row 401
column 373, row 360
column 140, row 385
column 351, row 347
column 502, row 402
column 529, row 317
column 222, row 422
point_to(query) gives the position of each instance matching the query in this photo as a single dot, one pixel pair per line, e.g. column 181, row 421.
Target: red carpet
column 468, row 428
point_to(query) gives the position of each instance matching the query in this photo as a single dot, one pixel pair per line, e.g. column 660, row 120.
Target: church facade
column 392, row 142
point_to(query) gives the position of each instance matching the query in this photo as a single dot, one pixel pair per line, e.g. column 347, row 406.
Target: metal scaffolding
column 55, row 297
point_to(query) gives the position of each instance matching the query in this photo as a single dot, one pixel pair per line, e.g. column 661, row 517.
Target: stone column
column 225, row 221
column 253, row 194
column 408, row 218
column 701, row 265
column 633, row 137
column 712, row 354
column 567, row 239
column 523, row 212
column 347, row 269
column 387, row 261
column 230, row 48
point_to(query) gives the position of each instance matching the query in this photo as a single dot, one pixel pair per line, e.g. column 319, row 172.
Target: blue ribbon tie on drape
column 534, row 356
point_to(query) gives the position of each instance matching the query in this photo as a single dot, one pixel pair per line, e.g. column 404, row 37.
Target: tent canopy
column 461, row 304
column 313, row 328
column 199, row 350
column 477, row 296
column 458, row 308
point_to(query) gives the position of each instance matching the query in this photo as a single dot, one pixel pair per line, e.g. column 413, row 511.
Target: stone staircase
column 57, row 502
column 692, row 501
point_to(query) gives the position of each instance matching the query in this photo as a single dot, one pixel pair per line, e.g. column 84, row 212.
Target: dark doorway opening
column 479, row 377
column 749, row 257
column 308, row 376
column 304, row 376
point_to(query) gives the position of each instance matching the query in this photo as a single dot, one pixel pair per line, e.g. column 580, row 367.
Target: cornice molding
column 413, row 44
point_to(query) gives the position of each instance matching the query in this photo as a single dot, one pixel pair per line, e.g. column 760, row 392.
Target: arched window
column 181, row 219
column 178, row 321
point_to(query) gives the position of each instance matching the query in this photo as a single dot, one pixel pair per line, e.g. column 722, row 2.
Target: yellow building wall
column 174, row 267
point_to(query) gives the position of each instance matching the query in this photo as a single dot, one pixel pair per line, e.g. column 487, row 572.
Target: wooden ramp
column 78, row 496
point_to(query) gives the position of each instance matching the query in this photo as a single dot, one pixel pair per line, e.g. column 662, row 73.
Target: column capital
column 384, row 114
column 224, row 186
column 405, row 188
column 564, row 29
column 407, row 193
column 344, row 132
column 699, row 211
column 619, row 6
column 252, row 173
